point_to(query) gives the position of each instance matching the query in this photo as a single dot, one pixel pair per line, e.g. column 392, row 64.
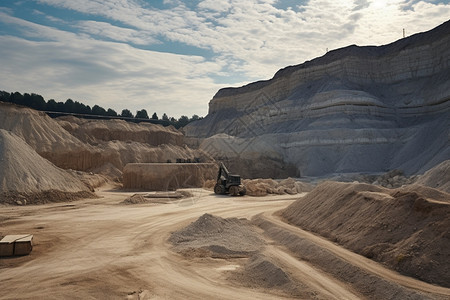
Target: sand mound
column 365, row 282
column 263, row 187
column 407, row 231
column 263, row 272
column 28, row 176
column 212, row 236
column 39, row 131
column 437, row 177
column 135, row 199
column 48, row 138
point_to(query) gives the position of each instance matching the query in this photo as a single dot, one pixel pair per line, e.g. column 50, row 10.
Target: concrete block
column 15, row 245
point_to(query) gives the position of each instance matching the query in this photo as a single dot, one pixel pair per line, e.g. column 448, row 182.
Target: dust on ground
column 96, row 248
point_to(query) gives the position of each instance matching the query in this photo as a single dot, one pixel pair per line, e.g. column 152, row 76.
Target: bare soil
column 100, row 249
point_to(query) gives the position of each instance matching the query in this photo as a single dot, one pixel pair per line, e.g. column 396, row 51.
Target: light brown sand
column 99, row 249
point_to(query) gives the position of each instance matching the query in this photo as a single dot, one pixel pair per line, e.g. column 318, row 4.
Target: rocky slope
column 356, row 109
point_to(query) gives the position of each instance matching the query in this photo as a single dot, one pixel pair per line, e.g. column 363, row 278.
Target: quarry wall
column 356, row 109
column 167, row 176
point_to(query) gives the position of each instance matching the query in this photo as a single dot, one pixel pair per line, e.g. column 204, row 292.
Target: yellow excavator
column 228, row 183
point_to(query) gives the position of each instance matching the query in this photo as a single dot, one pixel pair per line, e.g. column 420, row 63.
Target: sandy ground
column 101, row 249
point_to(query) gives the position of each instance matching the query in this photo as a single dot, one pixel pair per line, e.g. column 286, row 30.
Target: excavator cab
column 228, row 183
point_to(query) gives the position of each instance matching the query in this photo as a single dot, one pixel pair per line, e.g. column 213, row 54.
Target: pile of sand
column 215, row 237
column 49, row 139
column 405, row 230
column 135, row 199
column 212, row 236
column 261, row 271
column 39, row 131
column 263, row 187
column 437, row 177
column 27, row 178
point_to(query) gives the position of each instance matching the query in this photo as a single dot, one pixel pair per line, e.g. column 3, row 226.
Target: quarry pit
column 347, row 174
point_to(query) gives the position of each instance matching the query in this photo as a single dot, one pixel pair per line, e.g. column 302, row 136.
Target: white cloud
column 105, row 73
column 266, row 38
column 216, row 5
column 116, row 33
column 246, row 38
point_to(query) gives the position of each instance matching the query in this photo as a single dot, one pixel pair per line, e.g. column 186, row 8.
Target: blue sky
column 171, row 56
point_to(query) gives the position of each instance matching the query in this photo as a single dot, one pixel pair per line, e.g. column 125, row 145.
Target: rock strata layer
column 167, row 177
column 356, row 109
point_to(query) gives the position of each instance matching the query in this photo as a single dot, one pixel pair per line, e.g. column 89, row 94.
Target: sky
column 171, row 56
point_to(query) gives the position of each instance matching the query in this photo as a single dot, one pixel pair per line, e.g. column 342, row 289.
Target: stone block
column 15, row 245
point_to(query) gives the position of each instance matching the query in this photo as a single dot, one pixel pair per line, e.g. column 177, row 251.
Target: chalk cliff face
column 356, row 109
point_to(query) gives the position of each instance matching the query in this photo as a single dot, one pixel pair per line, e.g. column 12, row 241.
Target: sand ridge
column 407, row 231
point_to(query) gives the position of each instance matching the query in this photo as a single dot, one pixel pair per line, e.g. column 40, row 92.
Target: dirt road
column 101, row 249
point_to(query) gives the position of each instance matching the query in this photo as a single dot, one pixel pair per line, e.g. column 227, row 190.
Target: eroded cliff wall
column 356, row 109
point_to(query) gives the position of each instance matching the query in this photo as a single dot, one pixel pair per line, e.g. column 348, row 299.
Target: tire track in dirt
column 360, row 262
column 105, row 250
column 319, row 281
column 100, row 249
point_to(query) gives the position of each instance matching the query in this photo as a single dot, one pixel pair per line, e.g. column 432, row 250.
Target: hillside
column 356, row 109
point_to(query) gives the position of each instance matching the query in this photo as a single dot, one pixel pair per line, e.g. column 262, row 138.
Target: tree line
column 54, row 109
